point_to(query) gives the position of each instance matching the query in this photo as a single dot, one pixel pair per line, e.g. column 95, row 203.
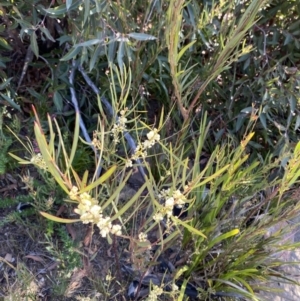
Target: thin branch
column 110, row 111
column 81, row 122
column 75, row 103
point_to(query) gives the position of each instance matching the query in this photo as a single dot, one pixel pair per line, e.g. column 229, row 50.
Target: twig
column 75, row 103
column 81, row 122
column 116, row 257
column 110, row 111
column 28, row 60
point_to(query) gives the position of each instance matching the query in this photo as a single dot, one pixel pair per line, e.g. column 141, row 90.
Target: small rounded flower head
column 116, row 229
column 164, row 193
column 148, row 144
column 156, row 291
column 142, row 237
column 128, row 163
column 179, row 198
column 169, row 204
column 119, row 127
column 158, row 216
column 39, row 161
column 137, row 153
column 109, row 278
column 153, row 136
column 122, row 122
column 175, row 288
column 73, row 193
column 86, row 217
column 104, row 225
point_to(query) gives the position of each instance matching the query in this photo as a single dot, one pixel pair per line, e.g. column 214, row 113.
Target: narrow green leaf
column 116, row 191
column 86, row 10
column 98, row 52
column 222, row 237
column 52, row 168
column 58, row 101
column 20, row 160
column 5, row 83
column 102, row 179
column 176, row 220
column 120, row 56
column 112, row 48
column 210, row 178
column 263, row 120
column 68, row 4
column 247, row 110
column 45, row 31
column 184, row 49
column 183, row 289
column 90, row 43
column 129, row 203
column 141, row 36
column 58, row 219
column 11, row 102
column 5, row 44
column 85, row 178
column 75, row 139
column 61, row 9
column 297, row 148
column 71, row 54
column 33, row 44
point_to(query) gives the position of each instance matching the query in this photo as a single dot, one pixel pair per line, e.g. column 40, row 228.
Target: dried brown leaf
column 88, row 237
column 35, row 258
column 71, row 231
column 75, row 282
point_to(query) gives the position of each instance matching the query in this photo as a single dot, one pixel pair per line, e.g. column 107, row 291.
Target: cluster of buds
column 39, row 161
column 155, row 291
column 120, row 126
column 96, row 142
column 176, row 198
column 141, row 150
column 90, row 212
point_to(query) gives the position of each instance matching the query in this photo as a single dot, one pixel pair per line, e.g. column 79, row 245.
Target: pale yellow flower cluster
column 175, row 199
column 90, row 212
column 156, row 291
column 141, row 150
column 39, row 161
column 142, row 237
column 120, row 127
column 96, row 142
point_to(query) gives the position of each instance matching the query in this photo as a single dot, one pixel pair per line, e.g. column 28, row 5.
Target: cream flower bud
column 152, row 135
column 116, row 229
column 169, row 202
column 73, row 193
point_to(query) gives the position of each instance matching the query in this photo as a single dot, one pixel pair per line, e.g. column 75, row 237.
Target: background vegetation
column 84, row 82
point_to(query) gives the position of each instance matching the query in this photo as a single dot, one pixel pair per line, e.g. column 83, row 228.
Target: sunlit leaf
column 184, row 49
column 68, row 4
column 223, row 237
column 99, row 181
column 187, row 226
column 5, row 44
